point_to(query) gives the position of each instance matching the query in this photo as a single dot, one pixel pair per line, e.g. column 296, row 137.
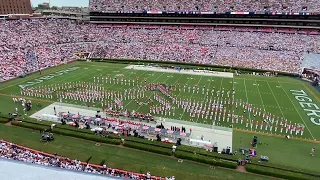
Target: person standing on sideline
column 313, row 150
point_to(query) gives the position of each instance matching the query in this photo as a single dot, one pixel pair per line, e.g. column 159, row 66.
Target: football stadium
column 152, row 90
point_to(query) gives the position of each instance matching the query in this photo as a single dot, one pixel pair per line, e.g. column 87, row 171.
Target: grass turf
column 270, row 93
column 282, row 152
column 122, row 158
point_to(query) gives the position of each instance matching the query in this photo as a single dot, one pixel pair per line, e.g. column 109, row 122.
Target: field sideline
column 274, row 94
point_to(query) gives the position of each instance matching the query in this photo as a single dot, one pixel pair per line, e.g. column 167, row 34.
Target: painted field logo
column 305, row 102
column 47, row 77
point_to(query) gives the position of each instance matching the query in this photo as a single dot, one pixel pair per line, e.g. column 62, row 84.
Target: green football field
column 285, row 99
column 266, row 96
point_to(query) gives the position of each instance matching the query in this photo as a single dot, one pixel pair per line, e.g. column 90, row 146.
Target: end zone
column 181, row 71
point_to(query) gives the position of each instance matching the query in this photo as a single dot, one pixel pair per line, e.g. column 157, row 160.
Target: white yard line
column 60, row 80
column 233, row 97
column 221, row 84
column 182, row 90
column 296, row 109
column 190, row 98
column 245, row 88
column 152, row 93
column 131, row 99
column 73, row 79
column 153, row 81
column 103, row 82
column 109, row 87
column 219, row 97
column 232, row 83
column 275, row 99
column 178, row 80
column 205, row 97
column 264, row 108
column 120, row 87
column 84, row 74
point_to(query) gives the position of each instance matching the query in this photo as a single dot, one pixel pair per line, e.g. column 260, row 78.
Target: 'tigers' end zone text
column 312, row 109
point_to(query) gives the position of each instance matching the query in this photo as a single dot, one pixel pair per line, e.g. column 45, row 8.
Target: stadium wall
column 249, row 20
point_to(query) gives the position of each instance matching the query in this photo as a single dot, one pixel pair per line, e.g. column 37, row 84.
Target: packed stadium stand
column 55, row 41
column 207, row 5
column 31, row 45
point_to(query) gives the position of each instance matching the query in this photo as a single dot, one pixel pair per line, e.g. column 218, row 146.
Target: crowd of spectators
column 312, row 6
column 261, row 50
column 52, row 41
column 15, row 152
column 56, row 41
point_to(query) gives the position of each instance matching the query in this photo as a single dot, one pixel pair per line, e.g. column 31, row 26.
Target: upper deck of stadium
column 254, row 6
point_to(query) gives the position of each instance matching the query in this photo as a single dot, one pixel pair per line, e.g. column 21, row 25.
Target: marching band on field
column 218, row 105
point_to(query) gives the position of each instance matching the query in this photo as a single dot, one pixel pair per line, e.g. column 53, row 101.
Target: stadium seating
column 19, row 153
column 29, row 45
column 311, row 6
